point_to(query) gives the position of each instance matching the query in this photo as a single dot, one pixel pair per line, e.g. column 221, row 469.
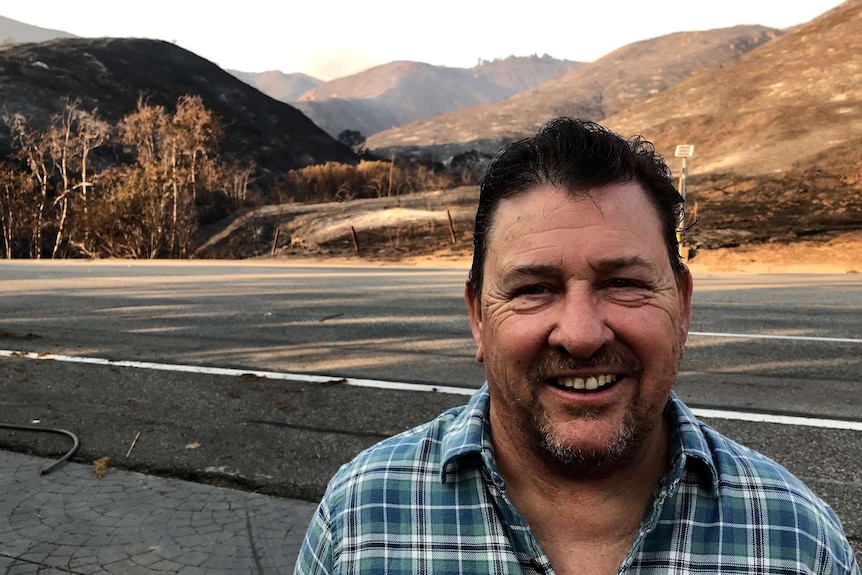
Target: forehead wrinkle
column 564, row 195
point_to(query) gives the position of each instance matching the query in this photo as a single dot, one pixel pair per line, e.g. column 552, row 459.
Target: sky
column 332, row 38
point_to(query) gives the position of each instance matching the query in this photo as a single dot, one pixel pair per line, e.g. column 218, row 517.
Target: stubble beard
column 580, row 461
column 590, row 463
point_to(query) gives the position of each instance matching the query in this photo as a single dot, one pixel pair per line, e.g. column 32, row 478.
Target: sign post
column 683, row 151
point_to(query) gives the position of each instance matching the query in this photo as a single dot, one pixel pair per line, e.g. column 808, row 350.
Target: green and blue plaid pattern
column 430, row 501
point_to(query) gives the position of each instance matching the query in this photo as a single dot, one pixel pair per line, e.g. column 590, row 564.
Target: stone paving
column 72, row 521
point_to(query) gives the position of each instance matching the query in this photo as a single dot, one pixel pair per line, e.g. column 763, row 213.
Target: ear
column 686, row 286
column 474, row 309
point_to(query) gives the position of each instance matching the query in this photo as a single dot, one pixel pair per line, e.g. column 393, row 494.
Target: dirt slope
column 415, row 230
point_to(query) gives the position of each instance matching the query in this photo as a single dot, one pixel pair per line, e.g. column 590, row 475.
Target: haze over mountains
column 277, row 84
column 401, row 92
column 13, row 31
column 750, row 98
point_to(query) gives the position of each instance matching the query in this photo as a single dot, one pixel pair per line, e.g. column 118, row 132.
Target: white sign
column 684, row 151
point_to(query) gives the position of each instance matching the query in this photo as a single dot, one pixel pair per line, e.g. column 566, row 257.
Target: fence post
column 274, row 241
column 355, row 241
column 451, row 227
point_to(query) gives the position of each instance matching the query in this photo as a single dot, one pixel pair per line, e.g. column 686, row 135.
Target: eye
column 627, row 291
column 531, row 290
column 532, row 298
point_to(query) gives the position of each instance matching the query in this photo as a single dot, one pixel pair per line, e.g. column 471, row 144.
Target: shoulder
column 737, row 471
column 770, row 499
column 752, row 493
column 410, row 456
column 743, row 473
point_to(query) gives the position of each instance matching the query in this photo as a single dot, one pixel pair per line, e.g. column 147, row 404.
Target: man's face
column 581, row 325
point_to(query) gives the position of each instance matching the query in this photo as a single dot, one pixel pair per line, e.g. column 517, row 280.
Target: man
column 575, row 456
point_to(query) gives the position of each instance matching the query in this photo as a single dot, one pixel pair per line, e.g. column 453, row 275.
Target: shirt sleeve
column 854, row 565
column 315, row 555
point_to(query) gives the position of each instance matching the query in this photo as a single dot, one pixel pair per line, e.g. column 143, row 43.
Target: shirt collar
column 467, row 436
column 689, row 446
column 467, row 440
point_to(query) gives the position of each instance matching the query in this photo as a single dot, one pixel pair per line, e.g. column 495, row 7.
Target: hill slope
column 401, row 92
column 111, row 74
column 276, row 84
column 13, row 31
column 628, row 75
column 777, row 169
column 790, row 103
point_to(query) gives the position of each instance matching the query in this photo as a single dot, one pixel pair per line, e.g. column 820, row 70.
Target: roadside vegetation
column 146, row 186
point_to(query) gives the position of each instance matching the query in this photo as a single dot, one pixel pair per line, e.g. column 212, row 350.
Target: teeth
column 589, row 384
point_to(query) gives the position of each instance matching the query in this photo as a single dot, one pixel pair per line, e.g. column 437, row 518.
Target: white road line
column 397, row 385
column 302, row 377
column 768, row 336
column 781, row 419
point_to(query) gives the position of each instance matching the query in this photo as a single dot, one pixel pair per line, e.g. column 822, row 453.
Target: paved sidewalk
column 71, row 521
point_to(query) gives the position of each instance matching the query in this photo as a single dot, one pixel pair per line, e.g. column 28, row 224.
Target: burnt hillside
column 631, row 74
column 111, row 74
column 789, row 104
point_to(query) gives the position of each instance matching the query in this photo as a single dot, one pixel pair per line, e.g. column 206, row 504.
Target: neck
column 612, row 501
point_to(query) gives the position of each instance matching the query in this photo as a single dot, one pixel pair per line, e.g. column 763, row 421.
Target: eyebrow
column 606, row 266
column 530, row 271
column 613, row 265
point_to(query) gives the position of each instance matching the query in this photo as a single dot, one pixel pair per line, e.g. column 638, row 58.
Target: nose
column 580, row 326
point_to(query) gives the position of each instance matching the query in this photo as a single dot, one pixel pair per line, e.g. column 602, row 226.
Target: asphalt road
column 788, row 346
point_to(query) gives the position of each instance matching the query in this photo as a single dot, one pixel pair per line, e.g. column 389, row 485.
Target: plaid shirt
column 431, row 501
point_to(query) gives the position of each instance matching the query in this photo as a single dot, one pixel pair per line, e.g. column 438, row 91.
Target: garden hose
column 60, row 461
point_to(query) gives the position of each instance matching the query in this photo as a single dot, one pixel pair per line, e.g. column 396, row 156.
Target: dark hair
column 576, row 156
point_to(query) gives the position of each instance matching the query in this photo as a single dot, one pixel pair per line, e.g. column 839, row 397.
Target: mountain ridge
column 12, row 31
column 403, row 91
column 790, row 99
column 629, row 74
column 276, row 84
column 107, row 74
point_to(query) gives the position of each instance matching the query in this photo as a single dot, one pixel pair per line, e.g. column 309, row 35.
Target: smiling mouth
column 586, row 384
